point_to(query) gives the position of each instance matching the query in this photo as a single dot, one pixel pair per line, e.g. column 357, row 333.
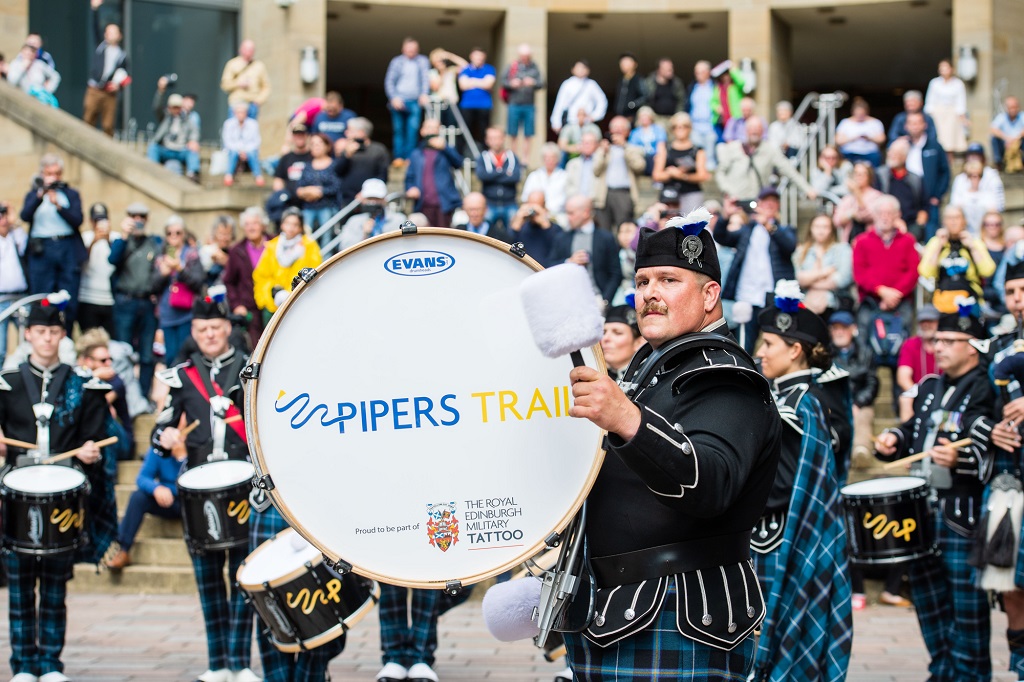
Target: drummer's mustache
column 653, row 307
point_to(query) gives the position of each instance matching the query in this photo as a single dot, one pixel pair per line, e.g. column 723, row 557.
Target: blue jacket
column 936, row 170
column 448, row 161
column 898, row 127
column 780, row 248
column 158, row 470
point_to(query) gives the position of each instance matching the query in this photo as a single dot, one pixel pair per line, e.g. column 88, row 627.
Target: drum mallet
column 956, row 445
column 562, row 311
column 71, row 453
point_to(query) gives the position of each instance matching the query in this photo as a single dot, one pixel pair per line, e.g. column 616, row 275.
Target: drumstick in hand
column 71, row 453
column 956, row 445
column 187, row 430
column 18, row 443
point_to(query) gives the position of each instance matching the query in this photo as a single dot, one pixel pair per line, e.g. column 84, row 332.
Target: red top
column 876, row 263
column 913, row 355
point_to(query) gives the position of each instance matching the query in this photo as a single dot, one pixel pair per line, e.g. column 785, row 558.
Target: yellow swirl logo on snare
column 65, row 519
column 239, row 511
column 881, row 526
column 306, row 601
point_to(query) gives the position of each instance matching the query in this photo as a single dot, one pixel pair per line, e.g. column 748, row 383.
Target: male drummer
column 207, row 388
column 693, row 444
column 952, row 612
column 58, row 408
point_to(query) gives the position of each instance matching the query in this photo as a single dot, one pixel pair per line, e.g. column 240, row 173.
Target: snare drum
column 303, row 603
column 43, row 509
column 215, row 504
column 888, row 520
column 418, row 434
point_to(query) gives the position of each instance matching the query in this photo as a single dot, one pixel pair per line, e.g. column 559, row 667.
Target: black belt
column 678, row 557
column 52, row 239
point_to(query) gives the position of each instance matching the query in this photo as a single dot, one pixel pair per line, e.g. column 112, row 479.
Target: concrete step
column 160, row 552
column 143, row 425
column 134, row 579
column 155, row 527
column 127, row 472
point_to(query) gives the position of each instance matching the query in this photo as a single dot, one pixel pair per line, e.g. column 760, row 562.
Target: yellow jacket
column 979, row 266
column 269, row 273
column 256, row 88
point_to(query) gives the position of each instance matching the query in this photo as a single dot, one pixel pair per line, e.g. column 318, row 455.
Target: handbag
column 181, row 297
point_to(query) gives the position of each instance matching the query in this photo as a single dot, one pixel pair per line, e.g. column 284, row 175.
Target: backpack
column 886, row 334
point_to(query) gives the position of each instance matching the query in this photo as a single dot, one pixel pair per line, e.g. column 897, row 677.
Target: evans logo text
column 419, row 263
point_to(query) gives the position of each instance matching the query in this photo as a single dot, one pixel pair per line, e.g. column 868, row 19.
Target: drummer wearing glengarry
column 952, row 612
column 58, row 409
column 207, row 388
column 692, row 454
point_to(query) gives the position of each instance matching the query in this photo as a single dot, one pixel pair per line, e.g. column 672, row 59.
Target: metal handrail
column 464, row 180
column 20, row 301
column 343, row 214
column 330, row 247
column 817, row 135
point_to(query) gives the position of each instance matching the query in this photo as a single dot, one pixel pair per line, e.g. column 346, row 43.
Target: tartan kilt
column 659, row 652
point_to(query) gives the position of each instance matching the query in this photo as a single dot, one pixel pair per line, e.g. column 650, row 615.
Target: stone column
column 754, row 32
column 13, row 26
column 973, row 24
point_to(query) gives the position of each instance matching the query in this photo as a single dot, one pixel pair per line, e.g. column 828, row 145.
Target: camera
column 530, row 213
column 747, row 205
column 374, row 210
column 3, row 209
column 172, row 79
column 670, row 213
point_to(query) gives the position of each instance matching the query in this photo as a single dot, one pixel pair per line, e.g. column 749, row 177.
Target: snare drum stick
column 232, row 420
column 956, row 445
column 18, row 443
column 187, row 430
column 71, row 453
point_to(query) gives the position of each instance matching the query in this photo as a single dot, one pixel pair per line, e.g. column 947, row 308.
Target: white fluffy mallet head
column 508, row 609
column 561, row 309
column 742, row 312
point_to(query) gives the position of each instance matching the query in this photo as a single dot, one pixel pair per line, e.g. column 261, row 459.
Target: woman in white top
column 443, row 78
column 550, row 179
column 972, row 197
column 946, row 103
column 95, row 298
column 824, row 266
column 578, row 93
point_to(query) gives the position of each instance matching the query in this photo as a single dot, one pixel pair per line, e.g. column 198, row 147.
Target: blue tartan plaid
column 659, row 652
column 952, row 612
column 37, row 636
column 278, row 666
column 408, row 628
column 227, row 616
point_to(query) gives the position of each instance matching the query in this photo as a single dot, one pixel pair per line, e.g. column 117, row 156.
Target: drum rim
column 256, row 451
column 276, row 582
column 923, row 483
column 20, row 471
column 333, row 633
column 200, row 466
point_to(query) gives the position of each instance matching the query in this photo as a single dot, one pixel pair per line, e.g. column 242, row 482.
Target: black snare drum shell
column 215, row 519
column 896, row 544
column 43, row 524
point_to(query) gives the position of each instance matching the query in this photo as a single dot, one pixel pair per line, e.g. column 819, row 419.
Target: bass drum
column 403, row 419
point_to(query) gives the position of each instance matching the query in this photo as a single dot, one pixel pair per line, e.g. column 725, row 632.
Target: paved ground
column 115, row 638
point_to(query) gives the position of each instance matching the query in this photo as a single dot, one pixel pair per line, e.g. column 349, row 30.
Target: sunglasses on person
column 103, row 360
column 175, row 233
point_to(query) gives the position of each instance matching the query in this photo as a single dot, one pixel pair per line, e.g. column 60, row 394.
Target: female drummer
column 800, row 540
column 621, row 339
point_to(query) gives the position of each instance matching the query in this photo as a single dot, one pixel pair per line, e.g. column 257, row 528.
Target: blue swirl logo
column 419, row 263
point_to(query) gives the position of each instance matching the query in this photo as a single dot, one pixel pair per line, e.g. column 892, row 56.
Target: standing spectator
column 213, row 255
column 319, row 186
column 358, row 158
column 917, row 356
column 444, row 81
column 571, row 136
column 729, row 89
column 177, row 139
column 583, row 244
column 290, row 165
column 475, row 207
column 885, row 265
column 631, row 91
column 680, row 167
column 522, row 81
column 13, row 241
column 35, row 41
column 241, row 139
column 824, row 267
column 736, row 128
column 32, row 75
column 699, row 95
column 894, row 179
column 53, row 212
column 617, row 165
column 476, row 81
column 549, row 179
column 972, row 197
column 957, row 261
column 946, row 102
column 134, row 259
column 578, row 93
column 245, row 79
column 853, row 212
column 744, row 167
column 913, row 103
column 407, row 86
column 665, row 91
column 333, row 118
column 579, row 172
column 532, row 225
column 927, row 159
column 284, row 256
column 860, row 136
column 242, row 260
column 374, row 217
column 764, row 255
column 786, row 132
column 855, row 356
column 499, row 171
column 180, row 279
column 1007, row 129
column 649, row 135
column 96, row 297
column 995, row 242
column 108, row 73
column 428, row 179
column 831, row 173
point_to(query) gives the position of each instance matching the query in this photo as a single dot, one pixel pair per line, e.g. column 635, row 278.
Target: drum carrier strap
column 644, row 365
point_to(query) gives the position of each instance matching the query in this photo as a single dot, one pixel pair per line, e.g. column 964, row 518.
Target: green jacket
column 735, row 95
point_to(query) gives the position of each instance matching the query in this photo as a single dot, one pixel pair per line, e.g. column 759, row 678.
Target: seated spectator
column 242, row 260
column 824, row 267
column 849, row 353
column 333, row 118
column 13, row 242
column 35, row 41
column 1007, row 129
column 319, row 187
column 290, row 165
column 475, row 206
column 853, row 213
column 579, row 171
column 736, row 129
column 214, row 253
column 428, row 179
column 156, row 493
column 957, row 261
column 681, row 166
column 499, row 171
column 831, row 173
column 972, row 197
column 358, row 158
column 176, row 139
column 893, row 178
column 1013, row 252
column 33, row 75
column 375, row 216
column 744, row 167
column 649, row 135
column 860, row 136
column 532, row 225
column 571, row 135
column 549, row 179
column 240, row 137
column 95, row 355
column 284, row 256
column 785, row 132
column 917, row 358
column 991, row 180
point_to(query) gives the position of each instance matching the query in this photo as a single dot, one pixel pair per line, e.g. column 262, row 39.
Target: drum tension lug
column 340, row 566
column 306, row 275
column 250, row 371
column 264, row 482
column 552, row 540
column 453, row 587
column 518, row 249
column 409, row 227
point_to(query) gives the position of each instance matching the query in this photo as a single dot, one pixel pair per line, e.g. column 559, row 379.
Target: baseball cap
column 137, row 208
column 841, row 317
column 374, row 188
column 98, row 211
column 928, row 313
column 300, row 128
column 175, row 100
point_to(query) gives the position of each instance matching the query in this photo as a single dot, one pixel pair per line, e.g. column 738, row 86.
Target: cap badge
column 783, row 321
column 691, row 248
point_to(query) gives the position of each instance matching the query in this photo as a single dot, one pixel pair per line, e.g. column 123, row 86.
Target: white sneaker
column 222, row 675
column 392, row 672
column 245, row 675
column 54, row 677
column 564, row 676
column 421, row 672
column 24, row 677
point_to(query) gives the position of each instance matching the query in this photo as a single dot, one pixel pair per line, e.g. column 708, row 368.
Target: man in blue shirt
column 333, row 119
column 1007, row 130
column 476, row 81
column 407, row 86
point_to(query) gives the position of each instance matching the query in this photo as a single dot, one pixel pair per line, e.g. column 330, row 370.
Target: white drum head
column 44, row 478
column 408, row 423
column 284, row 553
column 216, row 475
column 883, row 486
